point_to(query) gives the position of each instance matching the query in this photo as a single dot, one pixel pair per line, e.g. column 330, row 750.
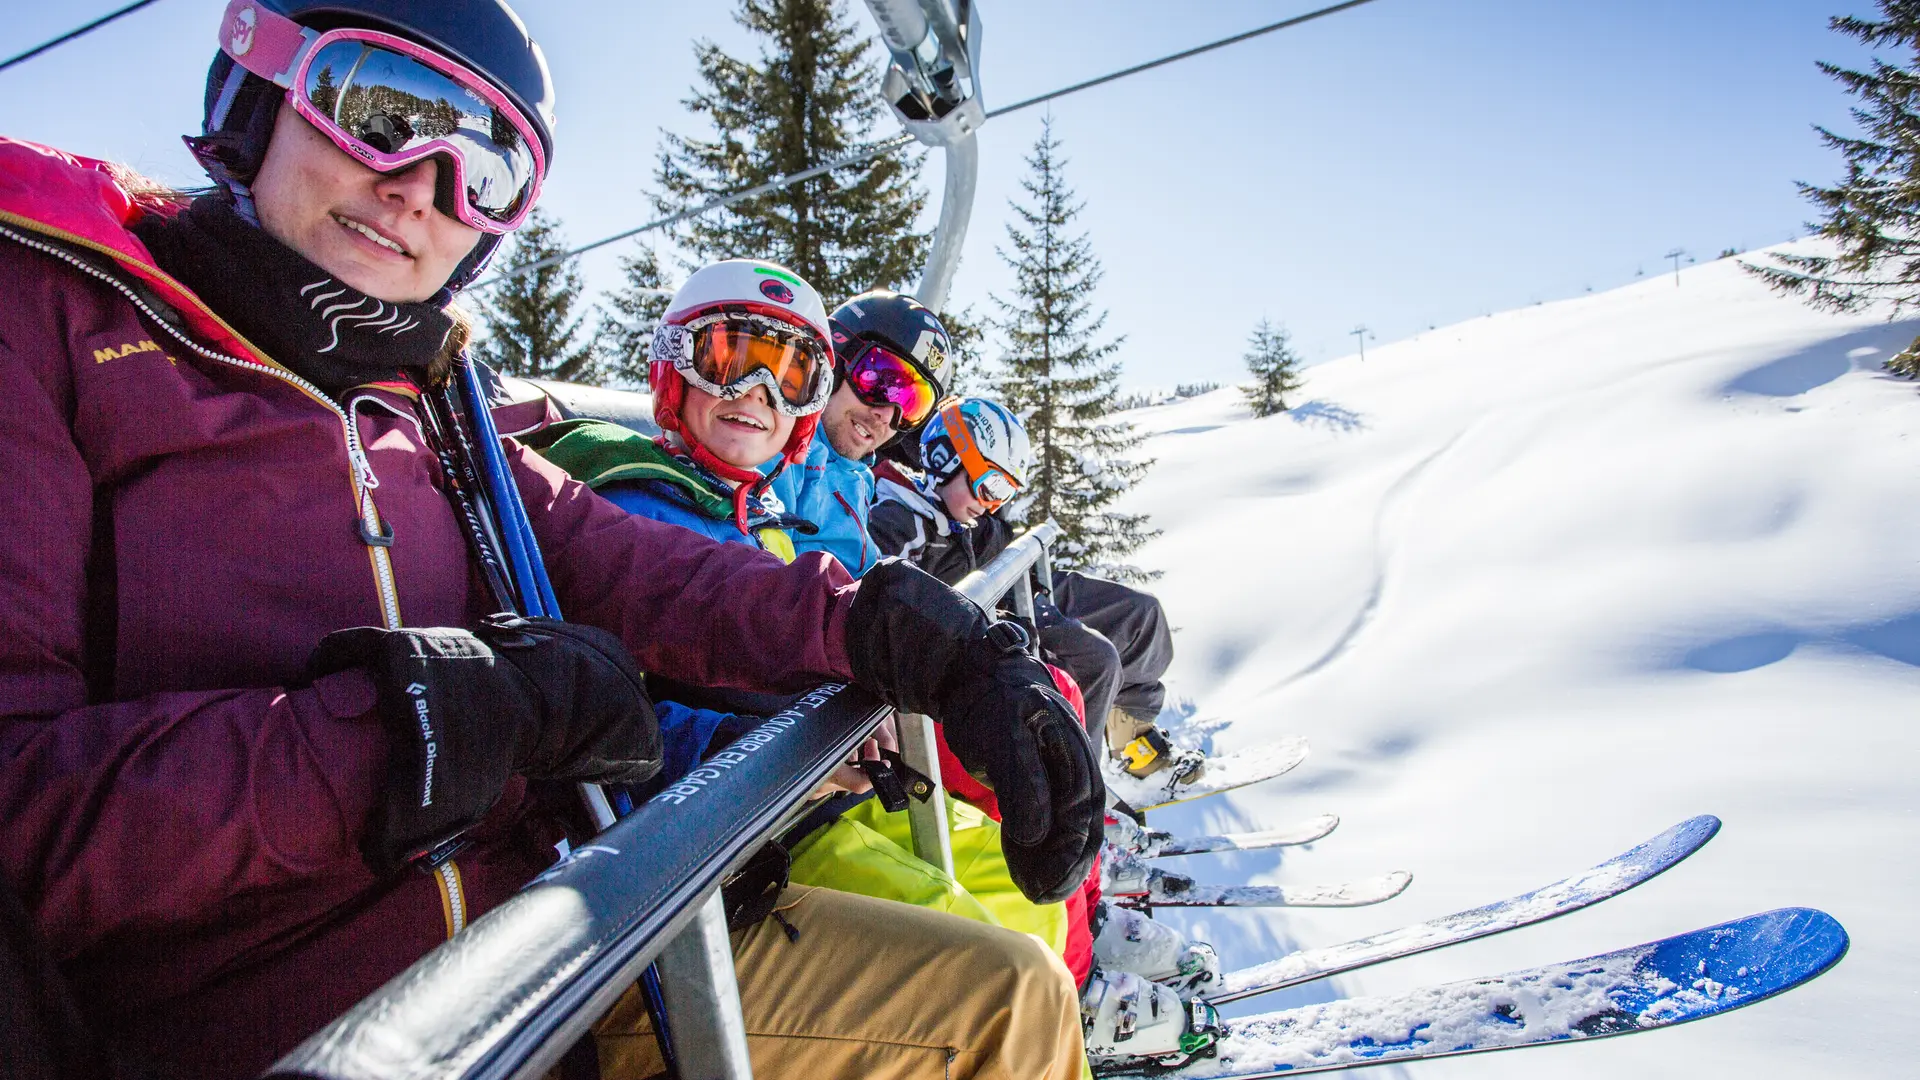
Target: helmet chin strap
column 669, row 391
column 225, row 151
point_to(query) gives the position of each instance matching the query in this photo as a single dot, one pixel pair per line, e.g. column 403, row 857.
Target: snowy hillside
column 1538, row 586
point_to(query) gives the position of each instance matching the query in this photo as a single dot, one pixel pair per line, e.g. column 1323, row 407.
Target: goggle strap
column 964, row 447
column 266, row 43
column 223, row 105
column 959, row 434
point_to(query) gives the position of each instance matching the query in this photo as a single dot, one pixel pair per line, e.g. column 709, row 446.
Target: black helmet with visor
column 892, row 351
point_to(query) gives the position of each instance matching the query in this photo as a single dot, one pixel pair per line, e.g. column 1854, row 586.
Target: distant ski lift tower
column 933, row 85
column 1361, row 333
column 1676, row 255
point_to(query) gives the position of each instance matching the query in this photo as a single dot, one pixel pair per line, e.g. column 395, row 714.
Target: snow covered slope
column 1538, row 586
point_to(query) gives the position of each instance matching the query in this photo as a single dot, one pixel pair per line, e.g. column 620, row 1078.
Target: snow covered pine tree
column 811, row 98
column 1057, row 377
column 531, row 326
column 1873, row 214
column 1275, row 368
column 624, row 336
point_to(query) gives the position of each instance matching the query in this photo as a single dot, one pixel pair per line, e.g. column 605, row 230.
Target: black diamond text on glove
column 464, row 711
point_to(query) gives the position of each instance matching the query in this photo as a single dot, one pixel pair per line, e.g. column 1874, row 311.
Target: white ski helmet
column 752, row 290
column 993, row 448
column 764, row 287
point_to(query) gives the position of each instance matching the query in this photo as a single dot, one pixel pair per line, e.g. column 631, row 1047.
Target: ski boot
column 1131, row 1021
column 1128, row 835
column 1146, row 750
column 1128, row 940
column 1130, row 879
column 1123, row 873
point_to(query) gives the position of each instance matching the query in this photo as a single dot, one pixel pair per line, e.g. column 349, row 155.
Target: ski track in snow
column 1382, row 557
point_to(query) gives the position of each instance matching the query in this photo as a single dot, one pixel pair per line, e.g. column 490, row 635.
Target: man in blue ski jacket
column 890, row 354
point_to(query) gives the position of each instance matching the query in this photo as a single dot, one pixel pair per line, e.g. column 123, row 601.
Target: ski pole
column 536, row 590
column 523, row 549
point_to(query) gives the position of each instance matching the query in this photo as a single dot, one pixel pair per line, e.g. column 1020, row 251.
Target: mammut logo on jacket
column 101, row 356
column 419, row 695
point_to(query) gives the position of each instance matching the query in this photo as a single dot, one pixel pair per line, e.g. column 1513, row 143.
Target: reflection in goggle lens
column 724, row 353
column 995, row 487
column 881, row 378
column 392, row 103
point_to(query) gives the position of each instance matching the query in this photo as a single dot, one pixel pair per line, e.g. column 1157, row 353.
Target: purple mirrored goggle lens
column 880, row 377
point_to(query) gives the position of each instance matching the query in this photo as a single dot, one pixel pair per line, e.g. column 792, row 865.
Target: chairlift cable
column 1196, row 51
column 898, row 141
column 71, row 34
column 871, row 152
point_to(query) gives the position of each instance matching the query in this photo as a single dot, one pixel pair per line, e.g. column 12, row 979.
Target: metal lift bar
column 505, row 998
column 703, row 998
column 1008, row 570
column 956, row 211
column 932, row 841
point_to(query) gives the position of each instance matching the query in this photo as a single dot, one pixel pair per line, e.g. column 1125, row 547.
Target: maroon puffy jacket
column 184, row 523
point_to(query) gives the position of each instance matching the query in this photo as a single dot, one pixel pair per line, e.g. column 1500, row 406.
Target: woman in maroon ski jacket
column 185, row 529
column 187, row 811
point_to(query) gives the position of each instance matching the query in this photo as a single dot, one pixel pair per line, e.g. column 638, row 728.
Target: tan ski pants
column 881, row 990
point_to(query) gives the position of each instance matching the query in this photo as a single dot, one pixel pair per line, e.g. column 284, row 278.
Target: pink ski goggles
column 392, row 104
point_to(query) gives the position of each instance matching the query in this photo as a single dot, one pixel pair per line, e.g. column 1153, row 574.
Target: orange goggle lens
column 726, row 353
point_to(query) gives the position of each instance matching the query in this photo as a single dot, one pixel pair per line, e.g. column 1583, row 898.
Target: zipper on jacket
column 363, row 479
column 453, row 896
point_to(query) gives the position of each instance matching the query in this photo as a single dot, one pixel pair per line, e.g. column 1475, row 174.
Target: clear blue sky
column 1404, row 164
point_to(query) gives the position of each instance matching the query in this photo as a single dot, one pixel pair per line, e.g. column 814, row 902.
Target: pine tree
column 811, row 98
column 1275, row 367
column 1874, row 213
column 1057, row 376
column 625, row 334
column 529, row 318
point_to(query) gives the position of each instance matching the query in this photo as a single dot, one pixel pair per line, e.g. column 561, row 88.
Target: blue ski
column 1610, row 878
column 1662, row 983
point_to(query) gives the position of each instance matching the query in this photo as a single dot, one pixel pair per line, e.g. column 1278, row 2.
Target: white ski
column 1224, row 773
column 1164, row 846
column 1174, row 890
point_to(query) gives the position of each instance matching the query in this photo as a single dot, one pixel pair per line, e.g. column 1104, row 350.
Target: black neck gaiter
column 317, row 326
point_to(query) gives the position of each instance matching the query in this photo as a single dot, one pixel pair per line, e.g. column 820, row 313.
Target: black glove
column 924, row 648
column 464, row 711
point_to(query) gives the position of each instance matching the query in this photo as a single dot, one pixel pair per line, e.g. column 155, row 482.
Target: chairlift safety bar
column 506, row 997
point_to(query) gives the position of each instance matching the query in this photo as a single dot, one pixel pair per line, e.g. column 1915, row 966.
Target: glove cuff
column 907, row 632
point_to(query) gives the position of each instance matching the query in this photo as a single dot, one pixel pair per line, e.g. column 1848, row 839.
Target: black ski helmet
column 486, row 36
column 898, row 323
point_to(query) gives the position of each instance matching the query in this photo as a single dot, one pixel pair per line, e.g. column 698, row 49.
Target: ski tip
column 1681, row 840
column 1804, row 941
column 1737, row 963
column 1705, row 826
